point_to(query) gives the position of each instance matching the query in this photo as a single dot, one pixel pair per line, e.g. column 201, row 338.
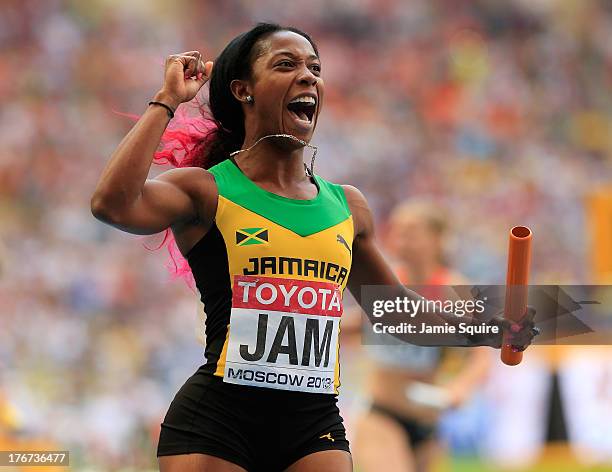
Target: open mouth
column 303, row 108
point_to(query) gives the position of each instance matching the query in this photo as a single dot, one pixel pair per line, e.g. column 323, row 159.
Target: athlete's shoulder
column 353, row 195
column 197, row 183
column 358, row 205
column 189, row 179
column 183, row 173
column 356, row 200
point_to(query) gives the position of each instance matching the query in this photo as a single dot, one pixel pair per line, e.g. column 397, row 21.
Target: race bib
column 283, row 334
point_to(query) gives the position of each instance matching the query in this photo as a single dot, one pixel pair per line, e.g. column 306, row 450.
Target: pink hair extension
column 185, row 143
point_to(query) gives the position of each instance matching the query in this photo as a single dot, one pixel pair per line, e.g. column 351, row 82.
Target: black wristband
column 168, row 108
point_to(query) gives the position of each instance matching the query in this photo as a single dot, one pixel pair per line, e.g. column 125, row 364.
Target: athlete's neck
column 278, row 161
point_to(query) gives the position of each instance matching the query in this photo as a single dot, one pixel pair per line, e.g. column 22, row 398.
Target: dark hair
column 219, row 130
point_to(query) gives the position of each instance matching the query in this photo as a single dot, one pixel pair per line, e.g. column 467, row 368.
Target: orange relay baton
column 517, row 279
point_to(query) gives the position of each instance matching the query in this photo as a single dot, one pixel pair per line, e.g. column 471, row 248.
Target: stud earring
column 249, row 99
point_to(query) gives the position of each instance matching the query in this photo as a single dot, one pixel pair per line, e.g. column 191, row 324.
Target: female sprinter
column 270, row 246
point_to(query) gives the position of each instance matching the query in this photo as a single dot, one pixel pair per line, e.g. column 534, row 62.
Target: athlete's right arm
column 124, row 197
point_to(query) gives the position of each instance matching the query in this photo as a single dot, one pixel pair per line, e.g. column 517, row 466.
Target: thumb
column 204, row 73
column 208, row 67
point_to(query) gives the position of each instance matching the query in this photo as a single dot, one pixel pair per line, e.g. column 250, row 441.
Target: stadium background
column 500, row 111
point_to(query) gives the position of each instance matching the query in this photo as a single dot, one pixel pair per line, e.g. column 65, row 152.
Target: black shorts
column 256, row 428
column 416, row 432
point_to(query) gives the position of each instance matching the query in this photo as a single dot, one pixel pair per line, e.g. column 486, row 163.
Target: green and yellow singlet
column 271, row 272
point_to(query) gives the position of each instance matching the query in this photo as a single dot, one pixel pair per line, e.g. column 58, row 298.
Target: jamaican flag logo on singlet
column 248, row 236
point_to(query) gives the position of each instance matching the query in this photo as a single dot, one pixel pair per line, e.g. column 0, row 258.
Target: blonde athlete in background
column 398, row 434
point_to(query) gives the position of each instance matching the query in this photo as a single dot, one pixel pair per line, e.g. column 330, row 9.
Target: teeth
column 310, row 100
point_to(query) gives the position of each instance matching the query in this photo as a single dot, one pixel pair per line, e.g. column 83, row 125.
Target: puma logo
column 327, row 436
column 342, row 241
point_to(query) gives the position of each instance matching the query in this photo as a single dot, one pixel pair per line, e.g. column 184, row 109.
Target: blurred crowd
column 500, row 111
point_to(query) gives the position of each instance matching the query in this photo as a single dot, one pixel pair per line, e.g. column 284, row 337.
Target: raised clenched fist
column 184, row 75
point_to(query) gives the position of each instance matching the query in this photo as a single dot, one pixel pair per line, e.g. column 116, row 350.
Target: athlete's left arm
column 371, row 268
column 369, row 265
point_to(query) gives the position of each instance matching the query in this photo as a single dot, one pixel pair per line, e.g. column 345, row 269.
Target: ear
column 240, row 89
